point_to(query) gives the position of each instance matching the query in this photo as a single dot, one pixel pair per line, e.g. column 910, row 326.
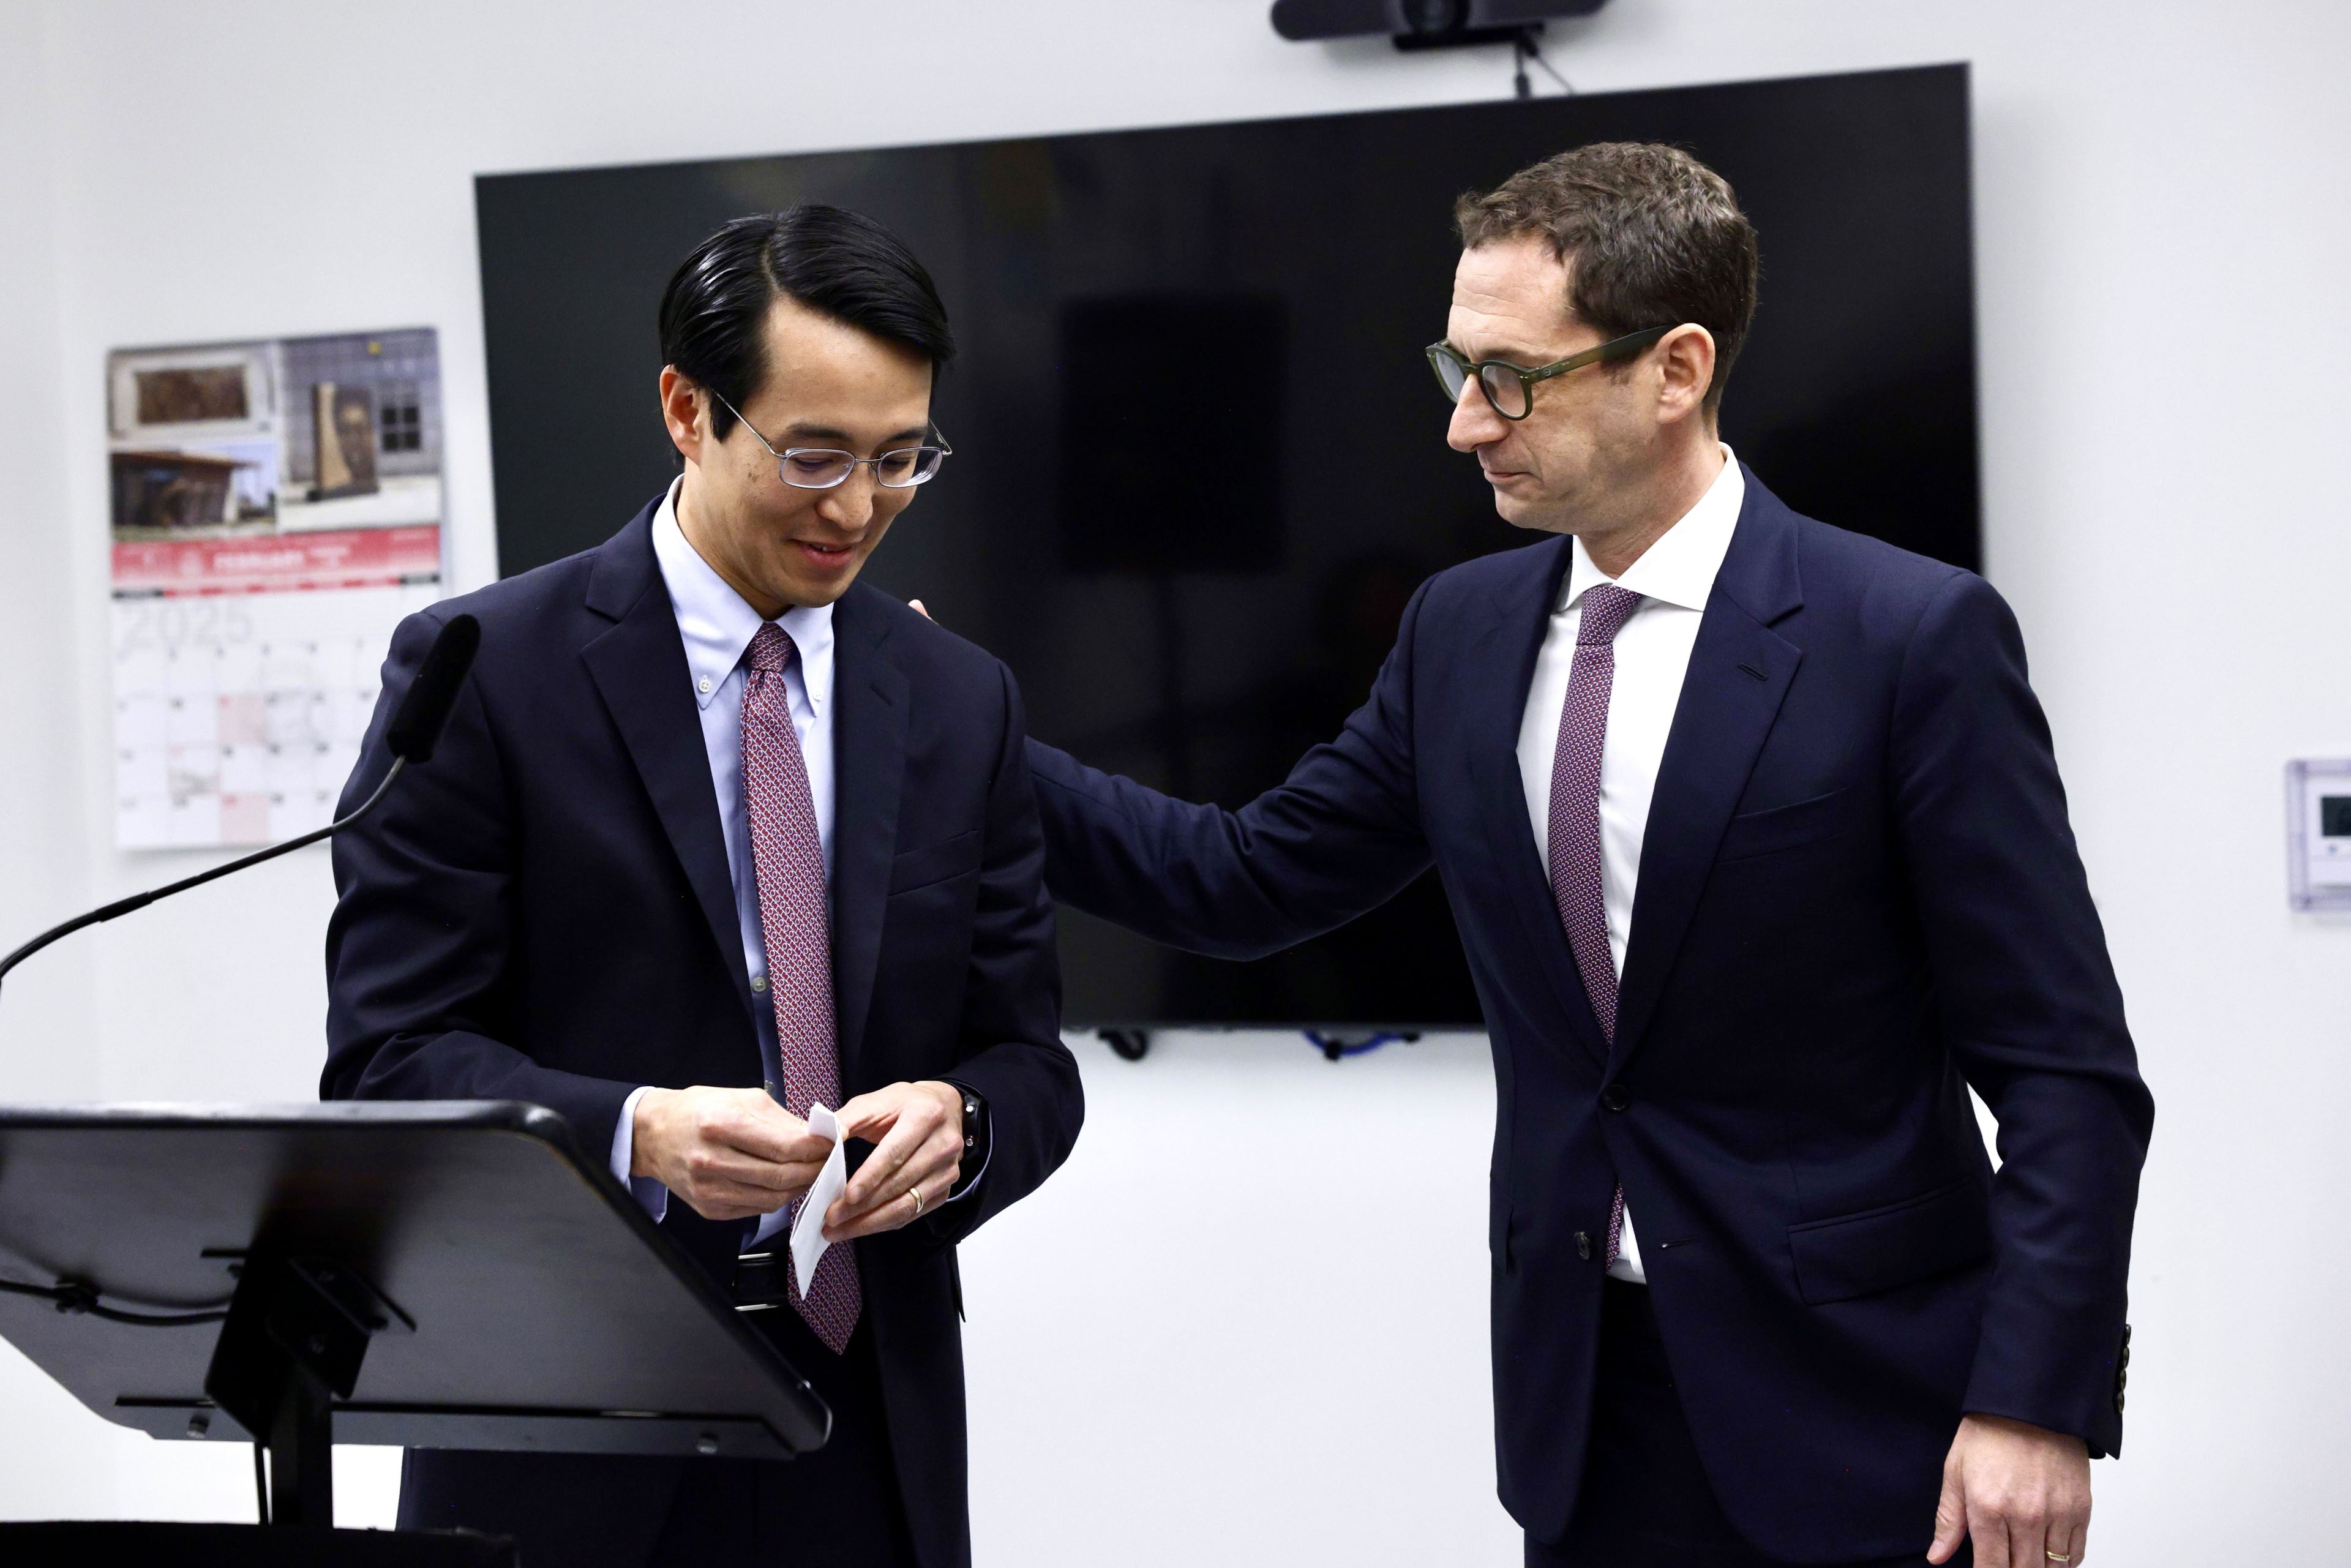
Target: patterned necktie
column 795, row 924
column 1575, row 817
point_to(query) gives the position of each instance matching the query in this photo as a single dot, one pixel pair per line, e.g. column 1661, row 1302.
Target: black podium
column 423, row 1274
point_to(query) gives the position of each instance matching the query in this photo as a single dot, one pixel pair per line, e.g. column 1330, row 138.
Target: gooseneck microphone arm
column 415, row 726
column 142, row 900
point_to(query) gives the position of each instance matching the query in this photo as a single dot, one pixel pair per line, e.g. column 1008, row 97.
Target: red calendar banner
column 279, row 563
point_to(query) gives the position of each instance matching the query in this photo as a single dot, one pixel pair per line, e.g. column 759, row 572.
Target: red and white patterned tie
column 1575, row 817
column 795, row 922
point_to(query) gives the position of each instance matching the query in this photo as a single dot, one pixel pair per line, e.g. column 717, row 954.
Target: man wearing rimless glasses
column 1754, row 838
column 717, row 835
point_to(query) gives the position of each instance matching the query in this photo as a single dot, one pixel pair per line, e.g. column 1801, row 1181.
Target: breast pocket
column 1784, row 828
column 935, row 864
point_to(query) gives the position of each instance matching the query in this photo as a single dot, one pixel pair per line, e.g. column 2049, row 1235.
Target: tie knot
column 772, row 649
column 1607, row 608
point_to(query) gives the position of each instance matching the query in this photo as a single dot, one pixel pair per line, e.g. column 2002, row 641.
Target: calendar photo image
column 276, row 507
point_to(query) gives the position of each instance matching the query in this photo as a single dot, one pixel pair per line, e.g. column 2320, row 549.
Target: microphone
column 415, row 728
column 416, row 723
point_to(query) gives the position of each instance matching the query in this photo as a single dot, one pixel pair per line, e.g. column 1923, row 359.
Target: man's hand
column 2022, row 1493
column 916, row 1130
column 730, row 1154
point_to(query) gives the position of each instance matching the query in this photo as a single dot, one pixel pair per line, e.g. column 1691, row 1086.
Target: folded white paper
column 808, row 1230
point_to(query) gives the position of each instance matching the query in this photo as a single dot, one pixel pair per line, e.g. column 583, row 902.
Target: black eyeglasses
column 1510, row 389
column 825, row 467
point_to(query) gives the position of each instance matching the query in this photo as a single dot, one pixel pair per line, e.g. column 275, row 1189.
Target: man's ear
column 1685, row 359
column 683, row 410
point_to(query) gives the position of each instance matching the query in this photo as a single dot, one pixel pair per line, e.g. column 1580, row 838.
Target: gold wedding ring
column 2056, row 1556
column 916, row 1194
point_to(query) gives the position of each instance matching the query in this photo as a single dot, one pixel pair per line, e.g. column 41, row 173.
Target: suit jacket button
column 1615, row 1097
column 1583, row 1245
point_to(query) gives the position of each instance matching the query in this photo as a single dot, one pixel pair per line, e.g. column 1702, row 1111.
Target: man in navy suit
column 1754, row 837
column 717, row 834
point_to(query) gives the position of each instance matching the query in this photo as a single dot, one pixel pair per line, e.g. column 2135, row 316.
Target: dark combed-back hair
column 1652, row 237
column 837, row 263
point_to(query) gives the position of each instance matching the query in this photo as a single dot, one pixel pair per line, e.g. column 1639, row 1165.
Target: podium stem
column 302, row 1453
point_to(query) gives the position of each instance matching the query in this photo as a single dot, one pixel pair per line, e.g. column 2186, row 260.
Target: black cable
column 142, row 900
column 79, row 1298
column 1521, row 46
column 153, row 1320
column 1527, row 42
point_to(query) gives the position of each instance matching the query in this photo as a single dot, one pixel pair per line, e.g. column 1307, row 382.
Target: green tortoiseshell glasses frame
column 1503, row 383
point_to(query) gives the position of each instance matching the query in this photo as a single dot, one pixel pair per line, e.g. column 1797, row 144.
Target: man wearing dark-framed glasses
column 1510, row 390
column 719, row 834
column 1753, row 835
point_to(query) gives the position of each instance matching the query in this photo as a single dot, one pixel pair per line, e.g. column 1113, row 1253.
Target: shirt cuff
column 774, row 1220
column 650, row 1194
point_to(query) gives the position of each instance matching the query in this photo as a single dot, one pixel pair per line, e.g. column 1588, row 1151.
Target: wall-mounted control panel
column 2319, row 833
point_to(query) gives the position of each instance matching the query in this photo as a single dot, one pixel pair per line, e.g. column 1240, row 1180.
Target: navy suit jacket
column 543, row 913
column 1858, row 895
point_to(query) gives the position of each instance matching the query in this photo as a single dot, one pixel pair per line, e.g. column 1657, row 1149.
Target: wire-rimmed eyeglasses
column 825, row 467
column 1510, row 389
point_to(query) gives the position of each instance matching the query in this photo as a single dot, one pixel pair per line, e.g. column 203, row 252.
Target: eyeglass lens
column 1449, row 375
column 816, row 468
column 1502, row 388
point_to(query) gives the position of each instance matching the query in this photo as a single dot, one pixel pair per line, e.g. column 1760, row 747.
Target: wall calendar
column 277, row 508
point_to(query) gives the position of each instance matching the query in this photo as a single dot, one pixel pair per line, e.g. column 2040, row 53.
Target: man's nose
column 850, row 504
column 1474, row 423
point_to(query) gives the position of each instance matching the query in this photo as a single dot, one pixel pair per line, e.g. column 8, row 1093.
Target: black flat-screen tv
column 1199, row 460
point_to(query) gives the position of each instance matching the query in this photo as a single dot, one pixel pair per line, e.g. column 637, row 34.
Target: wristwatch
column 975, row 1136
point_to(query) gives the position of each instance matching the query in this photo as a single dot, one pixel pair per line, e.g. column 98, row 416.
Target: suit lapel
column 1739, row 675
column 869, row 758
column 1494, row 710
column 640, row 670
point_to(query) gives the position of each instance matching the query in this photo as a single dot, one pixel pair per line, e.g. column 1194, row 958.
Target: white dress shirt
column 717, row 626
column 1673, row 577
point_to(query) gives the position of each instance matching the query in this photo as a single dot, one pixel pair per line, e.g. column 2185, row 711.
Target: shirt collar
column 717, row 625
column 1680, row 568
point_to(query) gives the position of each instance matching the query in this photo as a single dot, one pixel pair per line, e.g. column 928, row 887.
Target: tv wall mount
column 1424, row 24
column 1419, row 25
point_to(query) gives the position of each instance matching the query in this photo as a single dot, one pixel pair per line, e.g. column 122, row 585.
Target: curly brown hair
column 1651, row 237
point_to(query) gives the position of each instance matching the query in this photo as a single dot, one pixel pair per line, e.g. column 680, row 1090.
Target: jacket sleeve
column 2030, row 1009
column 418, row 947
column 1338, row 837
column 1011, row 1050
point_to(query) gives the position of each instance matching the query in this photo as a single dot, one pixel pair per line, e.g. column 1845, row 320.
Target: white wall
column 45, row 1022
column 2164, row 329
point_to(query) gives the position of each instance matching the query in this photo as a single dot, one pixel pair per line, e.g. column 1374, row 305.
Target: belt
column 763, row 1280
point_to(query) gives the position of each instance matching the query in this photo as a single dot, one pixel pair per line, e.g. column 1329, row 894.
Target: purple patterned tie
column 1575, row 816
column 795, row 924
